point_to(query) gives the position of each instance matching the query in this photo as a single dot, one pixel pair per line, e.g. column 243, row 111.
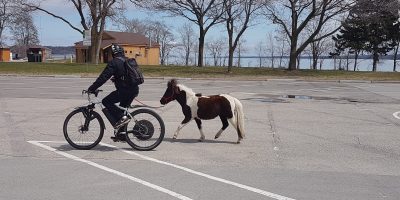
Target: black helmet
column 116, row 49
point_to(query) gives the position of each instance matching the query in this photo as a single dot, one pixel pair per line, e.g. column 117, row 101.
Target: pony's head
column 171, row 92
column 177, row 92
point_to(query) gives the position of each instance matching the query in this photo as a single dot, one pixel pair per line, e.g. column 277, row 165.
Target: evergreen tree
column 371, row 26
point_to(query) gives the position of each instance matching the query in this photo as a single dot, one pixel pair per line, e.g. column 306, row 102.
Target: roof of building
column 21, row 48
column 121, row 38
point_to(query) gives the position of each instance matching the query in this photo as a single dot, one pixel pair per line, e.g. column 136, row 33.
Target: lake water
column 384, row 65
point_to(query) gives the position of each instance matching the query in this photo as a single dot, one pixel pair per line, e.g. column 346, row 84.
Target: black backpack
column 133, row 75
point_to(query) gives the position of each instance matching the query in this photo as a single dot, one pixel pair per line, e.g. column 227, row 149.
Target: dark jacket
column 115, row 68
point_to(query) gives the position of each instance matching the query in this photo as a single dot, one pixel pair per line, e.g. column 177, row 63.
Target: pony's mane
column 186, row 89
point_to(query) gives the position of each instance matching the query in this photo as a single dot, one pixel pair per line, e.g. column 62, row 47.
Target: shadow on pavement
column 196, row 141
column 99, row 147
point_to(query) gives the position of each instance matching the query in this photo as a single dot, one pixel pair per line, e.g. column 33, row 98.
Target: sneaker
column 119, row 138
column 124, row 120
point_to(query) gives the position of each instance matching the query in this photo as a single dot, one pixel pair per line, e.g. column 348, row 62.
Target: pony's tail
column 239, row 118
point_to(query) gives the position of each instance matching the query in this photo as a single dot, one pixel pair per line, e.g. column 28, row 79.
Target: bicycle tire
column 154, row 123
column 83, row 145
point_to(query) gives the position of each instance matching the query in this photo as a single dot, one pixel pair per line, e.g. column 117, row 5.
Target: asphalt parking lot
column 304, row 140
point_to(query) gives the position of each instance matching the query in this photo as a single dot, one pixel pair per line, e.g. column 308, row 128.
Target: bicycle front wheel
column 83, row 131
column 145, row 131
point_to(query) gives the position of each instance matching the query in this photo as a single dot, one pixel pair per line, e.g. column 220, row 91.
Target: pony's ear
column 172, row 83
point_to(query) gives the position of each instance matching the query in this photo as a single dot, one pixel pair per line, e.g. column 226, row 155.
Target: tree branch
column 56, row 16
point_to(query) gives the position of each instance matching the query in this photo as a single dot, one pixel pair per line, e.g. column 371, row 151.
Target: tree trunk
column 314, row 62
column 396, row 50
column 320, row 64
column 298, row 62
column 201, row 47
column 231, row 50
column 272, row 58
column 334, row 63
column 355, row 61
column 375, row 62
column 292, row 61
column 94, row 57
column 187, row 57
column 293, row 54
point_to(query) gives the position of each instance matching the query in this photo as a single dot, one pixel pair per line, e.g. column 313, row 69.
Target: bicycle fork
column 87, row 113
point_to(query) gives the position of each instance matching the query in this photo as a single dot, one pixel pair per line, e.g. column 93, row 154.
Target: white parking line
column 396, row 115
column 242, row 186
column 249, row 188
column 137, row 180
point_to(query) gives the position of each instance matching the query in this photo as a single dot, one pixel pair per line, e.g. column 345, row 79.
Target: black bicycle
column 84, row 128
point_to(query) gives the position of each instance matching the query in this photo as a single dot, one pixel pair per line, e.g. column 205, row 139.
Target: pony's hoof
column 201, row 139
column 216, row 137
column 174, row 137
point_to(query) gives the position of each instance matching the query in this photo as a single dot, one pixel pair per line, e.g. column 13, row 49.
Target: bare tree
column 261, row 51
column 204, row 13
column 93, row 15
column 238, row 14
column 160, row 33
column 6, row 13
column 24, row 30
column 216, row 47
column 9, row 11
column 241, row 49
column 293, row 16
column 187, row 40
column 131, row 25
column 271, row 48
column 316, row 52
column 283, row 42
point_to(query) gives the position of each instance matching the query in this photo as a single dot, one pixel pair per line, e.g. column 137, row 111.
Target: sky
column 54, row 32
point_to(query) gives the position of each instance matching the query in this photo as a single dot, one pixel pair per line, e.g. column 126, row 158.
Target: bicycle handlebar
column 96, row 92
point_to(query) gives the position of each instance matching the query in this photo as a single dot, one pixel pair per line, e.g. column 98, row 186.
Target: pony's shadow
column 190, row 141
column 101, row 148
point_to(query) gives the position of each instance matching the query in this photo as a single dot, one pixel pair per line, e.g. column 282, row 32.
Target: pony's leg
column 183, row 124
column 234, row 124
column 198, row 122
column 225, row 124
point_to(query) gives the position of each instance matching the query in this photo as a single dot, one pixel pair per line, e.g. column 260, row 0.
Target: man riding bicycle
column 125, row 91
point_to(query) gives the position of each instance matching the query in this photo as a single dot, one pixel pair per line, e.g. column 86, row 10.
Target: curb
column 220, row 79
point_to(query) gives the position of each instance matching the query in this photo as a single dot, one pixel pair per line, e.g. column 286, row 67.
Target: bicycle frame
column 92, row 102
column 137, row 135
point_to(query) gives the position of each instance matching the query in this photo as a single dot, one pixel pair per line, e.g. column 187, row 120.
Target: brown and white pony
column 198, row 107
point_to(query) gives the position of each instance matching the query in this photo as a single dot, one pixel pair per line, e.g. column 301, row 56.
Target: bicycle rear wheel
column 145, row 131
column 83, row 131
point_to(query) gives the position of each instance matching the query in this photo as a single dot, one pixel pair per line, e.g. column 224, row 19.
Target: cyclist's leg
column 109, row 102
column 127, row 96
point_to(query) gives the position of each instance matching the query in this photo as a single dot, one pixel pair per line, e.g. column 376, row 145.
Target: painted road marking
column 137, row 180
column 396, row 115
column 252, row 189
column 239, row 185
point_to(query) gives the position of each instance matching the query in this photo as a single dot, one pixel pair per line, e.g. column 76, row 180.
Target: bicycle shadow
column 190, row 141
column 99, row 147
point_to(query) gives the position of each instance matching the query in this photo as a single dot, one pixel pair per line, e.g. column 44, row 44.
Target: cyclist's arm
column 103, row 77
